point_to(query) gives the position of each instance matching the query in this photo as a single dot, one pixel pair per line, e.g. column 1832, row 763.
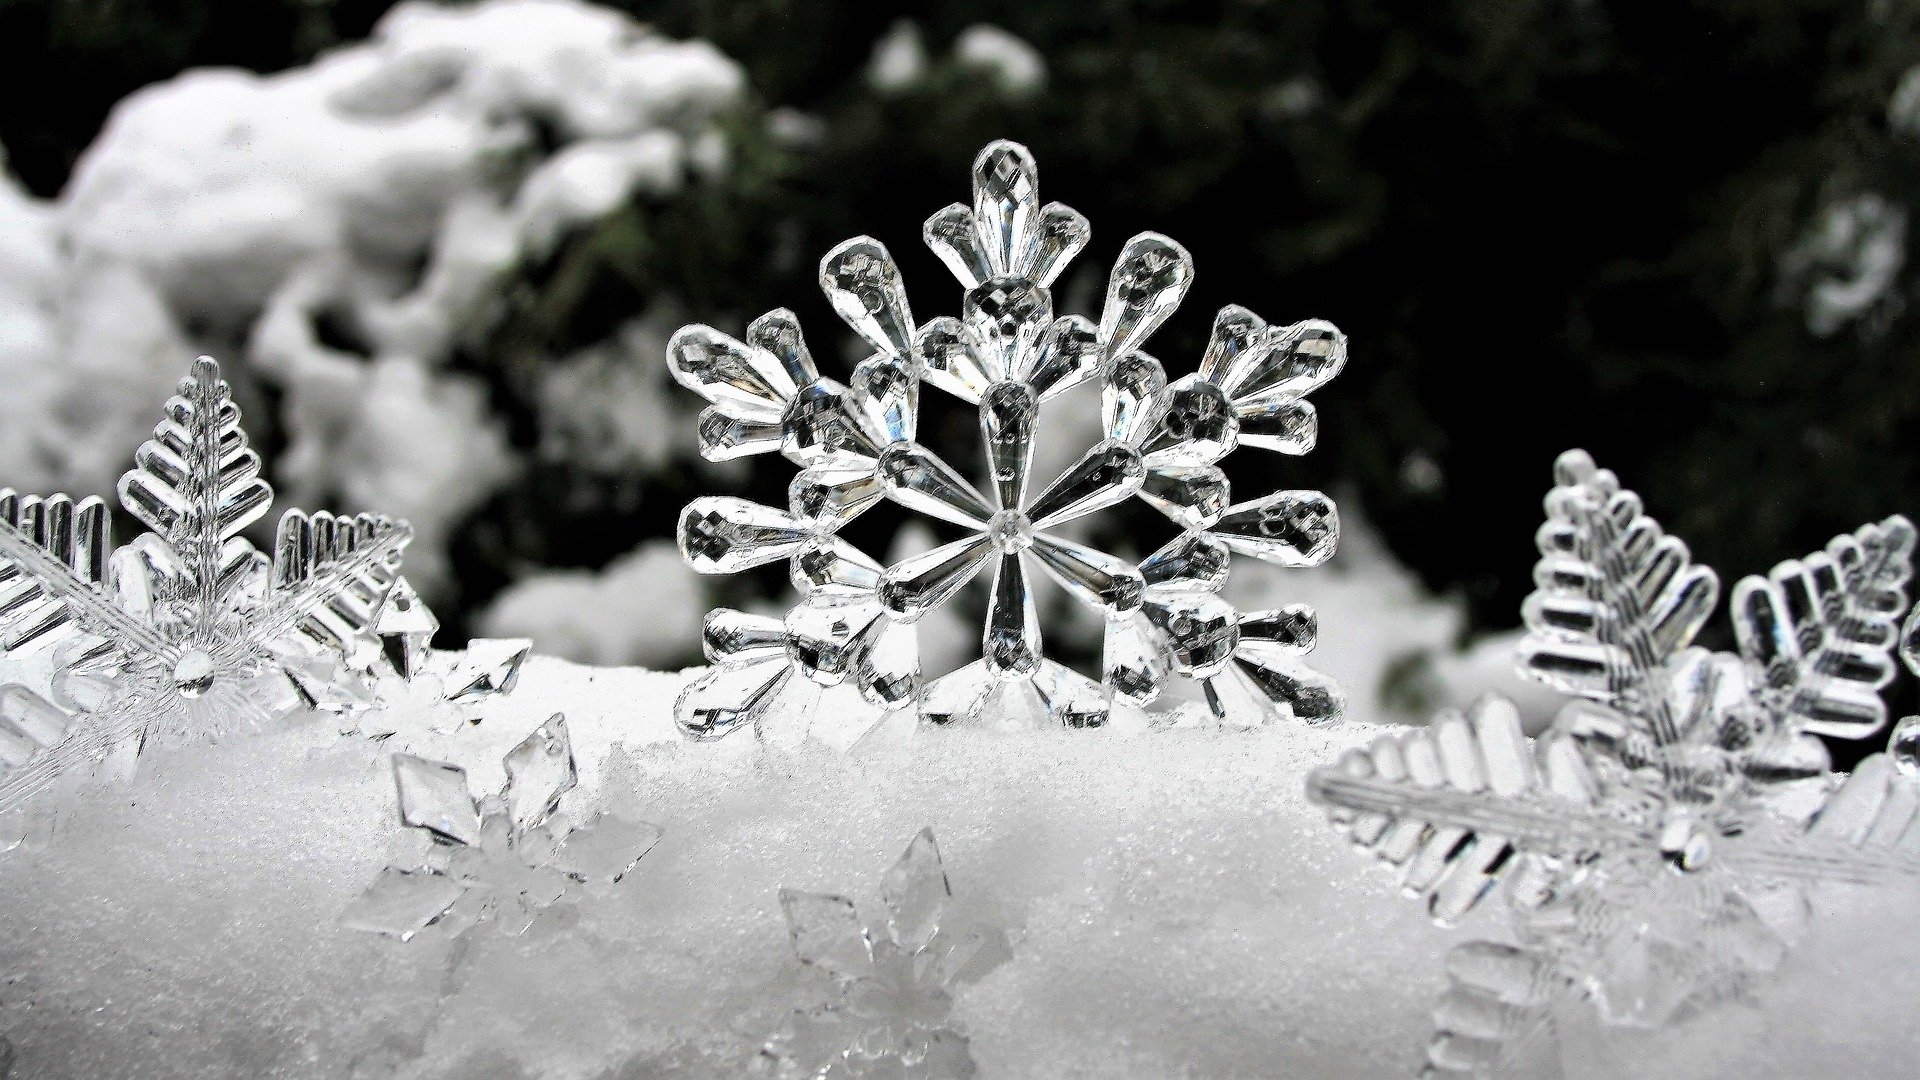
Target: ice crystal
column 892, row 1016
column 857, row 444
column 502, row 859
column 188, row 628
column 1658, row 842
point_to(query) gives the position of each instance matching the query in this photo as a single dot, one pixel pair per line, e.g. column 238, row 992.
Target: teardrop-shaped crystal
column 1307, row 694
column 1062, row 233
column 1193, row 496
column 887, row 395
column 1011, row 643
column 951, row 236
column 736, row 637
column 889, row 672
column 741, row 380
column 912, row 587
column 727, row 698
column 723, row 535
column 957, row 696
column 1066, row 355
column 1297, row 359
column 1294, row 628
column 951, row 360
column 1197, row 427
column 1070, row 698
column 1236, row 332
column 777, row 333
column 918, row 479
column 1007, row 412
column 1289, row 427
column 863, row 284
column 1903, row 746
column 1148, row 281
column 1006, row 201
column 831, row 569
column 829, row 496
column 1132, row 662
column 1132, row 397
column 1188, row 563
column 1200, row 630
column 1107, row 474
column 1236, row 700
column 1006, row 316
column 724, row 438
column 822, row 425
column 1290, row 528
column 1095, row 578
column 825, row 641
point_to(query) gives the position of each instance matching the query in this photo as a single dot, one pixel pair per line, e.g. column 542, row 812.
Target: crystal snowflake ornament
column 502, row 859
column 1658, row 842
column 187, row 628
column 857, row 445
column 892, row 1015
column 418, row 691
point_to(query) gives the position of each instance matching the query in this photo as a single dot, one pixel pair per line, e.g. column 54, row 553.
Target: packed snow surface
column 1176, row 909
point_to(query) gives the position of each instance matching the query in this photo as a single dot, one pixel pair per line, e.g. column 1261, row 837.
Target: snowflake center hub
column 193, row 673
column 1010, row 531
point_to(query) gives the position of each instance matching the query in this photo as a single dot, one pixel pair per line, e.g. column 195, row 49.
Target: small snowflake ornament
column 418, row 692
column 892, row 1016
column 1658, row 842
column 187, row 628
column 857, row 445
column 502, row 859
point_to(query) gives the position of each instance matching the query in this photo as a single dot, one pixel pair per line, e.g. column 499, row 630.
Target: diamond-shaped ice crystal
column 1655, row 842
column 858, row 445
column 187, row 629
column 501, row 859
column 892, row 1016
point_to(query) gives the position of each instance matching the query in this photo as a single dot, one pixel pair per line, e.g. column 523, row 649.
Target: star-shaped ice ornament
column 187, row 629
column 1008, row 351
column 501, row 859
column 1658, row 842
column 891, row 1016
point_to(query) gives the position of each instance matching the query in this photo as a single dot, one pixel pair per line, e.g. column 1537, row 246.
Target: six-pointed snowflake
column 1659, row 840
column 187, row 627
column 857, row 445
column 892, row 1014
column 502, row 859
column 417, row 692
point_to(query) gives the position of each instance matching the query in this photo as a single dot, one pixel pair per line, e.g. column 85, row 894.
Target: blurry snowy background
column 439, row 248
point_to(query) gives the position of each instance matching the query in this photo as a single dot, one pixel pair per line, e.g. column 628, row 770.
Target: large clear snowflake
column 891, row 1018
column 188, row 628
column 1658, row 842
column 857, row 445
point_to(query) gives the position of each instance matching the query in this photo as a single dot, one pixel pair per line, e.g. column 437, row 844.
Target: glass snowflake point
column 186, row 629
column 1656, row 843
column 858, row 444
column 892, row 1011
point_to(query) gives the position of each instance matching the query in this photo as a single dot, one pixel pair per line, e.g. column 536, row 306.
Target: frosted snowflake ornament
column 1657, row 844
column 187, row 629
column 892, row 1015
column 418, row 691
column 856, row 444
column 500, row 860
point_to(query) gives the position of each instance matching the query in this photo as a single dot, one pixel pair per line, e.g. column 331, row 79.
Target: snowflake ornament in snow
column 418, row 691
column 1659, row 841
column 856, row 444
column 502, row 859
column 892, row 1017
column 187, row 629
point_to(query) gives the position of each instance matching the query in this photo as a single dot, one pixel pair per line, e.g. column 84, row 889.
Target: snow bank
column 1177, row 910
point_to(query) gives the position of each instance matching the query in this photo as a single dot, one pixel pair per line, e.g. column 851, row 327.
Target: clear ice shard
column 892, row 1009
column 189, row 629
column 1009, row 349
column 1655, row 844
column 501, row 859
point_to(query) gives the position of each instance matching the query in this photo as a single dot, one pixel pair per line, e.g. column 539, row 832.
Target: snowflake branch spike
column 187, row 627
column 857, row 446
column 1648, row 842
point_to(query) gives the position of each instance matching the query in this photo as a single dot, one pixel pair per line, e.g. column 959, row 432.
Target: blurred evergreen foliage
column 1543, row 223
